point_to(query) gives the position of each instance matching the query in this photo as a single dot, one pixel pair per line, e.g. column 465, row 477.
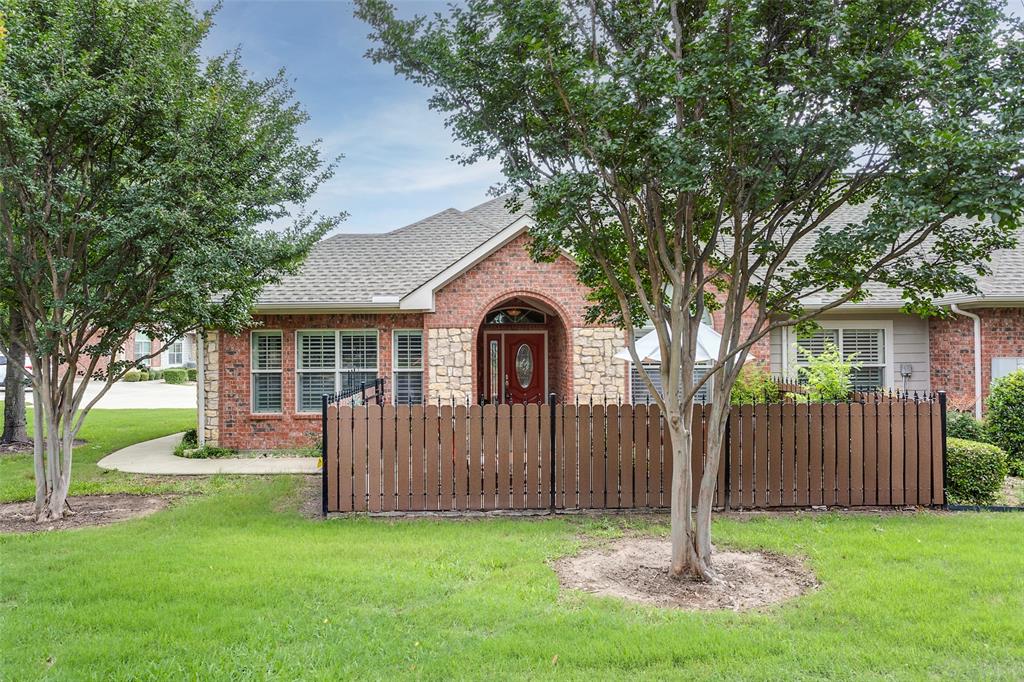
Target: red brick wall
column 952, row 350
column 239, row 428
column 510, row 273
column 760, row 350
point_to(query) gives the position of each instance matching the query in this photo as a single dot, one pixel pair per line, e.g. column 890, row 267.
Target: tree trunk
column 686, row 557
column 14, row 391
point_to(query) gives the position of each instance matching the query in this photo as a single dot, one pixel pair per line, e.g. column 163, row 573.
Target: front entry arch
column 522, row 350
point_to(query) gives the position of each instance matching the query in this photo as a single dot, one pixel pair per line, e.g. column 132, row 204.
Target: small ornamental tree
column 1004, row 418
column 133, row 179
column 686, row 152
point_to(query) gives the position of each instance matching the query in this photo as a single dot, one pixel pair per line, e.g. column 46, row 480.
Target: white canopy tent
column 649, row 350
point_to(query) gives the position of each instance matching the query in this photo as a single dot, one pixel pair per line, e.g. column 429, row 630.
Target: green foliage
column 132, row 375
column 208, row 452
column 754, row 385
column 175, row 375
column 963, row 425
column 189, row 440
column 193, row 374
column 827, row 375
column 144, row 376
column 1005, row 418
column 162, row 166
column 156, row 374
column 975, row 471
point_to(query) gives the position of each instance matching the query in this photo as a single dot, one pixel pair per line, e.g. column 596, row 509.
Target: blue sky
column 396, row 168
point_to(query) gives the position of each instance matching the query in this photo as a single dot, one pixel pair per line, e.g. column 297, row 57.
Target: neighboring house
column 452, row 308
column 181, row 353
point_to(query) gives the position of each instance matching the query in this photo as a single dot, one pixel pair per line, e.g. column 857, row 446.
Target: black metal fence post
column 323, row 454
column 554, row 444
column 942, row 416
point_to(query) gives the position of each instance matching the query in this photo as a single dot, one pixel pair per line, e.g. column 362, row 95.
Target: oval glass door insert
column 524, row 365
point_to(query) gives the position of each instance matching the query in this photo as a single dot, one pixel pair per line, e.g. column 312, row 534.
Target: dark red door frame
column 500, row 392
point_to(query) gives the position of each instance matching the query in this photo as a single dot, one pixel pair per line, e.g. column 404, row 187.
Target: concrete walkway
column 157, row 457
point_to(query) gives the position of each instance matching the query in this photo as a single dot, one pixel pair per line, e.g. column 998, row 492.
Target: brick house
column 453, row 308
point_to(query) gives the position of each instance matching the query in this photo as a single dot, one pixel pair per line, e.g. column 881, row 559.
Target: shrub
column 175, row 375
column 974, row 471
column 827, row 376
column 132, row 375
column 963, row 425
column 188, row 441
column 193, row 374
column 155, row 374
column 754, row 385
column 208, row 452
column 1005, row 418
column 144, row 376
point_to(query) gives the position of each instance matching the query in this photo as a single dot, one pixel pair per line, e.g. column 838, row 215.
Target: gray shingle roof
column 352, row 269
column 349, row 270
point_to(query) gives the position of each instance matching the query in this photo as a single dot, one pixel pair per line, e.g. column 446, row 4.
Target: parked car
column 3, row 370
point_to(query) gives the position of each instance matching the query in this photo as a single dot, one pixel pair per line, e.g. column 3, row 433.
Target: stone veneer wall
column 211, row 425
column 450, row 364
column 595, row 371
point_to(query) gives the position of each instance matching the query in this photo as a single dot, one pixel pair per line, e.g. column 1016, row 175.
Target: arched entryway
column 522, row 352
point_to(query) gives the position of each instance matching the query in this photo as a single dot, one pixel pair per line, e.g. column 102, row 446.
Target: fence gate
column 885, row 450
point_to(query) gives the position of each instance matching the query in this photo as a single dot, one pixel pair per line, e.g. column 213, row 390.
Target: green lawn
column 235, row 583
column 238, row 585
column 104, row 432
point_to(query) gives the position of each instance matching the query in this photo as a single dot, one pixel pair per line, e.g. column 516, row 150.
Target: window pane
column 266, row 350
column 638, row 387
column 864, row 345
column 316, row 351
column 409, row 350
column 312, row 385
column 816, row 344
column 408, row 388
column 266, row 392
column 359, row 350
column 351, row 381
column 867, row 378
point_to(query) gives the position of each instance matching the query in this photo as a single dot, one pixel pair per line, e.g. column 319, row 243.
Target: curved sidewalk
column 157, row 457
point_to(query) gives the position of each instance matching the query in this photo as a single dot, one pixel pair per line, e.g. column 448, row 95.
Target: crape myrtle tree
column 688, row 152
column 134, row 181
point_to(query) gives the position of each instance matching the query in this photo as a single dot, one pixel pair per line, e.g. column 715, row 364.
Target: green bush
column 193, row 374
column 208, row 452
column 974, row 471
column 132, row 375
column 189, row 440
column 175, row 375
column 963, row 425
column 1005, row 418
column 754, row 385
column 144, row 376
column 827, row 376
column 155, row 374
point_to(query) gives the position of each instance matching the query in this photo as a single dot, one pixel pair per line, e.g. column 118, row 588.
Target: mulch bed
column 25, row 448
column 89, row 510
column 636, row 569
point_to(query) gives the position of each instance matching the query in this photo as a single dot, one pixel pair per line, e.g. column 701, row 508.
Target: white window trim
column 167, row 354
column 253, row 370
column 395, row 369
column 337, row 370
column 790, row 342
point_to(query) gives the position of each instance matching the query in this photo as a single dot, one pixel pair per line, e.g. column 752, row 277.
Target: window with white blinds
column 143, row 346
column 639, row 393
column 266, row 371
column 407, row 361
column 332, row 361
column 316, row 359
column 862, row 346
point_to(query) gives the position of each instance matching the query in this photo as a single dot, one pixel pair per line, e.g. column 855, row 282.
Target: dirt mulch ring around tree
column 89, row 510
column 636, row 569
column 25, row 448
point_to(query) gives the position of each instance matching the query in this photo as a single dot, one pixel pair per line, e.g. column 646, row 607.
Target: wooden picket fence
column 886, row 451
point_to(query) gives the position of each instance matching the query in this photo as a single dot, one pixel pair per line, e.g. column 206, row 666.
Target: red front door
column 515, row 367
